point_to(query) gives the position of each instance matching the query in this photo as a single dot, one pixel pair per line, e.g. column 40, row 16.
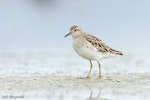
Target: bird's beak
column 67, row 34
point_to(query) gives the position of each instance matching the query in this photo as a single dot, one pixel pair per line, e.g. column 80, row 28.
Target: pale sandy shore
column 111, row 84
column 34, row 82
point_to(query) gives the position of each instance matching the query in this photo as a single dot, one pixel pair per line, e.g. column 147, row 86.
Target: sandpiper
column 90, row 47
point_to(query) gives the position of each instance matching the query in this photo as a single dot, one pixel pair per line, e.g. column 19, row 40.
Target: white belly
column 91, row 54
column 87, row 53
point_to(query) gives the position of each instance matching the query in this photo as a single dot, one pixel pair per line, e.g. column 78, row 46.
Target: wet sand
column 118, row 81
column 54, row 76
column 133, row 83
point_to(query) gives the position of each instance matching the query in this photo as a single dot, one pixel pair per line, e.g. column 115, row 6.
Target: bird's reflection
column 96, row 98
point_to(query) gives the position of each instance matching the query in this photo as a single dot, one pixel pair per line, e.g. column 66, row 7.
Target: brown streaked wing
column 96, row 42
column 101, row 47
column 115, row 51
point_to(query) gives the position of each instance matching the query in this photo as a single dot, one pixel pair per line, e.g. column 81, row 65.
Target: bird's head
column 75, row 31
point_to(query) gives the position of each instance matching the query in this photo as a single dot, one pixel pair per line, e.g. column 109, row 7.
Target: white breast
column 88, row 51
column 85, row 49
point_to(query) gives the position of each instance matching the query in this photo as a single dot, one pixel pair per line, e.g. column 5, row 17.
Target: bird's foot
column 88, row 77
column 99, row 77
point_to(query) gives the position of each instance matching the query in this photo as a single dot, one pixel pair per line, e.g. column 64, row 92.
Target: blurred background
column 32, row 43
column 42, row 24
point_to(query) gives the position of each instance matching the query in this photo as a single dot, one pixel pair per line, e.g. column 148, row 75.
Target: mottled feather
column 101, row 47
column 74, row 27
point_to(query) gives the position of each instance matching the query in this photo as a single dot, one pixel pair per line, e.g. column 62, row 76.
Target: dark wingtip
column 121, row 53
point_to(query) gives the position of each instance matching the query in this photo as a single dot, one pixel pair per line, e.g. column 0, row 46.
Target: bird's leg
column 88, row 76
column 99, row 65
column 91, row 94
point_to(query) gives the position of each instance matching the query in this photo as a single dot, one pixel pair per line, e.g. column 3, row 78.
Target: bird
column 90, row 47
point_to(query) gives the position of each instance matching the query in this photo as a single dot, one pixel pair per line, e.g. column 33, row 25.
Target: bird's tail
column 116, row 52
column 119, row 53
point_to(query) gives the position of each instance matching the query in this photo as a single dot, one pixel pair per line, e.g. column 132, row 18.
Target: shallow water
column 55, row 75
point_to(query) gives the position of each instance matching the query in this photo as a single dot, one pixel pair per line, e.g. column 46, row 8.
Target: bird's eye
column 75, row 30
